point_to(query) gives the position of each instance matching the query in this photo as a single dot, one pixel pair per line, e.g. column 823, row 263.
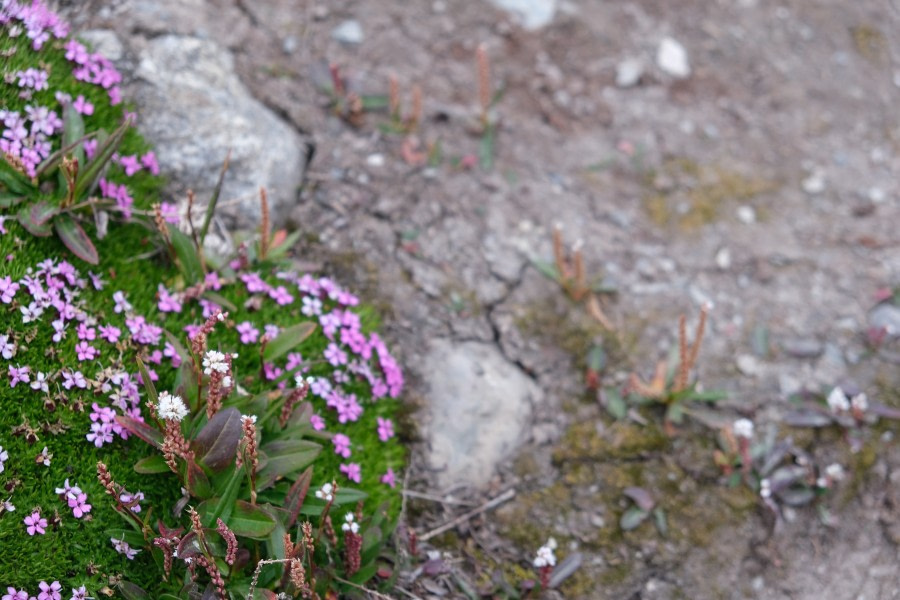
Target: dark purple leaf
column 641, row 497
column 283, row 458
column 149, row 434
column 216, row 444
column 189, row 546
column 797, row 496
column 565, row 569
column 808, row 417
column 75, row 239
column 197, row 483
column 888, row 412
column 296, row 496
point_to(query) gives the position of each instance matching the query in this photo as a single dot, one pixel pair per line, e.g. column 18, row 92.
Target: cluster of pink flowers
column 26, row 137
column 74, row 498
column 47, row 591
column 38, row 21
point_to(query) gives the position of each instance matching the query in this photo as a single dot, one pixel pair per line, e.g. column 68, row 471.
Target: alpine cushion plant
column 72, row 395
column 69, row 156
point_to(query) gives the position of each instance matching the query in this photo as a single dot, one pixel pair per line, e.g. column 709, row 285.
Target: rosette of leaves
column 61, row 194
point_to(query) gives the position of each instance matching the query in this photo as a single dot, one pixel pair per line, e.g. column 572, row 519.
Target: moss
column 700, row 193
column 869, row 42
column 585, row 441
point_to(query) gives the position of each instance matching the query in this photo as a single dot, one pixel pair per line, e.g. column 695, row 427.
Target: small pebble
column 803, row 347
column 814, row 183
column 748, row 365
column 375, row 160
column 672, row 58
column 629, row 72
column 746, row 214
column 723, row 258
column 348, row 32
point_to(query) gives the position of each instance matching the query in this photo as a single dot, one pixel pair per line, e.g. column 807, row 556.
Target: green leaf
column 250, row 521
column 73, row 131
column 364, row 574
column 283, row 458
column 8, row 199
column 147, row 381
column 486, row 148
column 211, row 207
column 659, row 519
column 222, row 506
column 151, row 465
column 88, row 177
column 220, row 300
column 36, row 229
column 14, row 180
column 187, row 255
column 132, row 592
column 632, row 517
column 42, row 211
column 596, row 358
column 287, row 340
column 547, row 269
column 281, row 249
column 615, row 404
column 75, row 239
column 675, row 413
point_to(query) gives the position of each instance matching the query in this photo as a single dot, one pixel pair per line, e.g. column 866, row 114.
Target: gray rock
column 531, row 14
column 348, row 32
column 886, row 316
column 198, row 109
column 105, row 42
column 480, row 407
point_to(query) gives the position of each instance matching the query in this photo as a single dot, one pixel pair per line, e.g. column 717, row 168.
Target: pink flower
column 12, row 594
column 335, row 355
column 110, row 333
column 85, row 351
column 19, row 375
column 83, row 106
column 385, row 429
column 317, row 422
column 389, row 478
column 150, row 163
column 78, row 504
column 49, row 592
column 35, row 523
column 168, row 302
column 90, row 148
column 8, row 289
column 86, row 333
column 131, row 164
column 352, row 471
column 249, row 333
column 341, row 445
column 281, row 295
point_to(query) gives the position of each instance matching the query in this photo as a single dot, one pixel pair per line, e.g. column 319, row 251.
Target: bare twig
column 504, row 497
column 435, row 498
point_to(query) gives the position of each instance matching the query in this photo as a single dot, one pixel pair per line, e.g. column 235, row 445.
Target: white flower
column 250, row 418
column 765, row 488
column 214, row 360
column 226, row 382
column 44, row 457
column 837, row 400
column 860, row 402
column 326, row 493
column 220, row 316
column 171, row 407
column 350, row 524
column 743, row 428
column 545, row 556
column 834, row 471
column 40, row 382
column 8, row 505
column 7, row 348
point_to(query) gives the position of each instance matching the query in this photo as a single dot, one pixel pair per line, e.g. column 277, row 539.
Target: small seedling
column 644, row 505
column 350, row 105
column 487, row 102
column 670, row 386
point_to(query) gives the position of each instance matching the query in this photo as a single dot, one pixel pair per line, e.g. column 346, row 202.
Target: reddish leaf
column 35, row 229
column 75, row 239
column 641, row 497
column 142, row 430
column 296, row 496
column 216, row 444
column 42, row 211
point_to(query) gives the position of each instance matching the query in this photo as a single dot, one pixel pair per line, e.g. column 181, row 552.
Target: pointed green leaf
column 188, row 258
column 73, row 131
column 131, row 591
column 288, row 339
column 296, row 495
column 211, row 207
column 147, row 381
column 632, row 517
column 250, row 521
column 75, row 239
column 151, row 465
column 284, row 458
column 42, row 211
column 13, row 180
column 88, row 177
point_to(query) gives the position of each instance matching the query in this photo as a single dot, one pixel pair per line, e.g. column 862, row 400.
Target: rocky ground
column 738, row 152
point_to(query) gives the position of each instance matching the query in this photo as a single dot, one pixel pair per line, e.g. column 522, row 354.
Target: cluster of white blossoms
column 326, row 493
column 839, row 402
column 743, row 428
column 833, row 472
column 171, row 407
column 545, row 556
column 214, row 360
column 350, row 523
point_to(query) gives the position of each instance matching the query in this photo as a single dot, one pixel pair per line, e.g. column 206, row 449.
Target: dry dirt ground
column 766, row 182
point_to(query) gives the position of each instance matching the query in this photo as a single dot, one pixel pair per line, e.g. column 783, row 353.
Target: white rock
column 672, row 58
column 530, row 14
column 375, row 160
column 348, row 32
column 748, row 365
column 814, row 183
column 628, row 72
column 746, row 214
column 876, row 195
column 723, row 258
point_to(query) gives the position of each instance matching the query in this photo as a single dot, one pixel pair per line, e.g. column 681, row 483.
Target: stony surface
column 479, row 410
column 765, row 182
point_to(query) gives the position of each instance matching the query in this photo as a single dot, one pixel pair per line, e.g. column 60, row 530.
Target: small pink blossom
column 389, row 478
column 85, row 351
column 317, row 422
column 49, row 591
column 83, row 106
column 385, row 429
column 110, row 333
column 352, row 471
column 341, row 445
column 35, row 523
column 249, row 333
column 150, row 163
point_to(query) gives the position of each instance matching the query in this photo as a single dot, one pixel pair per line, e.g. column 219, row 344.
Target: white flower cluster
column 839, row 402
column 743, row 428
column 545, row 556
column 214, row 360
column 300, row 380
column 171, row 407
column 326, row 493
column 250, row 418
column 833, row 472
column 350, row 524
